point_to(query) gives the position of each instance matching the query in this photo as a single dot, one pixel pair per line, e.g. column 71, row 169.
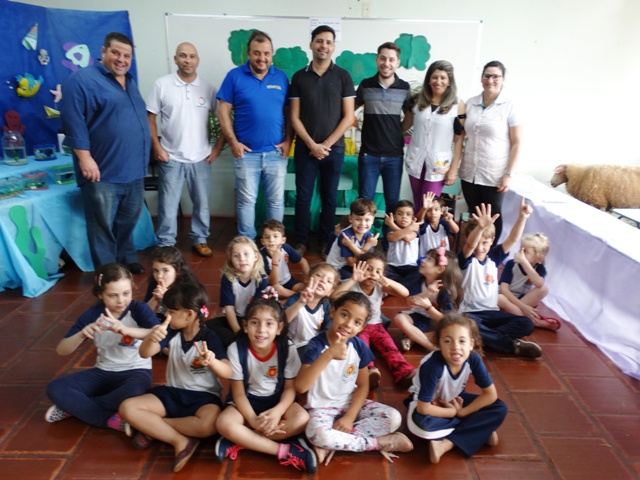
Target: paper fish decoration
column 30, row 41
column 28, row 86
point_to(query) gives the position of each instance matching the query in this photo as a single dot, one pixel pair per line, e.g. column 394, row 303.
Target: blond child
column 522, row 284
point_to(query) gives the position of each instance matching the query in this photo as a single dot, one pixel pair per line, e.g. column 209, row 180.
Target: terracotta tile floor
column 572, row 413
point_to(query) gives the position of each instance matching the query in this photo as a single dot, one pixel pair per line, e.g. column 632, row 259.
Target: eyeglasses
column 488, row 76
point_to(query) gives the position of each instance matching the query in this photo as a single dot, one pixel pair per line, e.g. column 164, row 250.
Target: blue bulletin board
column 41, row 48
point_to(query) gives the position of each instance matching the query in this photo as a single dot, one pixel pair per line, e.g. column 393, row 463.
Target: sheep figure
column 602, row 186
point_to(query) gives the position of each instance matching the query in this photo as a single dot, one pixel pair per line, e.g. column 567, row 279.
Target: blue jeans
column 251, row 169
column 172, row 175
column 94, row 395
column 112, row 211
column 370, row 168
column 307, row 169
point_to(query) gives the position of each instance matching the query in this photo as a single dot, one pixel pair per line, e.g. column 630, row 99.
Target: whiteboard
column 455, row 41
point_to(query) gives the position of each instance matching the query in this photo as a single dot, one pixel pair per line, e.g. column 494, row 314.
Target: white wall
column 574, row 65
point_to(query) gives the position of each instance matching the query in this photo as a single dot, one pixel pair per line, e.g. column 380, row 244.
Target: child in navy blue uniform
column 356, row 239
column 277, row 254
column 438, row 224
column 335, row 376
column 262, row 411
column 243, row 279
column 440, row 292
column 308, row 311
column 439, row 408
column 168, row 268
column 522, row 284
column 403, row 243
column 500, row 331
column 186, row 408
column 116, row 325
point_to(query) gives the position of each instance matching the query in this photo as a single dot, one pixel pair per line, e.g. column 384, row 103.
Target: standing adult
column 437, row 118
column 105, row 122
column 492, row 149
column 322, row 99
column 384, row 96
column 259, row 135
column 183, row 100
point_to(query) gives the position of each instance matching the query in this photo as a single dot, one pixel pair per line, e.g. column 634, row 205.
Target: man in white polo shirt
column 183, row 100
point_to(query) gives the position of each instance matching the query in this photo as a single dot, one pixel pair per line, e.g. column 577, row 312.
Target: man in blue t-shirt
column 105, row 122
column 258, row 135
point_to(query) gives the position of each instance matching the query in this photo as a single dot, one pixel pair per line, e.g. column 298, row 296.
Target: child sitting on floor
column 356, row 239
column 522, row 284
column 500, row 331
column 403, row 244
column 438, row 224
column 277, row 254
column 308, row 311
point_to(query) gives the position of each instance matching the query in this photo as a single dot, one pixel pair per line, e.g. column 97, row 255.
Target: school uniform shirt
column 339, row 253
column 480, row 280
column 435, row 380
column 116, row 352
column 239, row 295
column 430, row 238
column 518, row 280
column 184, row 369
column 337, row 382
column 401, row 253
column 376, row 302
column 308, row 322
column 263, row 371
column 288, row 255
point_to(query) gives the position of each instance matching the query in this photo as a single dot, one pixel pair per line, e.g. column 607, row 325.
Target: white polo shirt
column 487, row 149
column 184, row 115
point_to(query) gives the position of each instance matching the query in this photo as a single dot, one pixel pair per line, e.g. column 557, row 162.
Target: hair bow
column 442, row 256
column 204, row 311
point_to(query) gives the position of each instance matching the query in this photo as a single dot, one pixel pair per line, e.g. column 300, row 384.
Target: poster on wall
column 41, row 48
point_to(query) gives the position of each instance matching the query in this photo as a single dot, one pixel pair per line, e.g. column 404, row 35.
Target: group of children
column 316, row 344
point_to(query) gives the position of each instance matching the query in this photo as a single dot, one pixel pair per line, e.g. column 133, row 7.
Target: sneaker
column 142, row 441
column 183, row 457
column 55, row 414
column 406, row 381
column 374, row 378
column 136, row 268
column 301, row 248
column 117, row 423
column 226, row 449
column 405, row 344
column 526, row 349
column 202, row 249
column 301, row 456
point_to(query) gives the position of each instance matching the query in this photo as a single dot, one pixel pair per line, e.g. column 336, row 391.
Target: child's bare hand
column 389, row 221
column 519, row 257
column 420, row 301
column 349, row 242
column 338, row 349
column 371, row 242
column 427, row 200
column 309, row 292
column 343, row 425
column 483, row 215
column 269, row 423
column 108, row 322
column 159, row 332
column 206, row 356
column 359, row 272
column 415, row 225
column 525, row 210
column 276, row 255
column 160, row 290
column 90, row 330
column 447, row 216
column 434, row 288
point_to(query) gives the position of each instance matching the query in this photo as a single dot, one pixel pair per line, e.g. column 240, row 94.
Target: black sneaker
column 526, row 349
column 136, row 268
column 301, row 456
column 301, row 248
column 226, row 449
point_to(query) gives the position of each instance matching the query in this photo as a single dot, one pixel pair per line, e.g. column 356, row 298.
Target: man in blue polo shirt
column 105, row 122
column 321, row 97
column 258, row 135
column 385, row 97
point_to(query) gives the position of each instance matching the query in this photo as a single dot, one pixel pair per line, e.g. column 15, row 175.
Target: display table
column 59, row 214
column 593, row 265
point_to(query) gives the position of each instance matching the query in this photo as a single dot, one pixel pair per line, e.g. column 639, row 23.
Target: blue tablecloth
column 59, row 214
